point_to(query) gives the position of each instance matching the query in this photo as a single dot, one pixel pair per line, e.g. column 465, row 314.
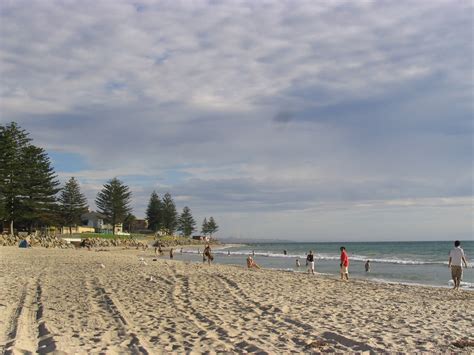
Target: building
column 77, row 229
column 203, row 238
column 95, row 220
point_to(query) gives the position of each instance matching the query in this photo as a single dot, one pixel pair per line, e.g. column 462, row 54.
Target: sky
column 295, row 120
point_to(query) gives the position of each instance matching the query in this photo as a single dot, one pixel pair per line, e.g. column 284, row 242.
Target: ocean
column 424, row 263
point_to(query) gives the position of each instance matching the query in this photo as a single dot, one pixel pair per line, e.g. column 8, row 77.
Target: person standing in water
column 367, row 266
column 171, row 253
column 456, row 259
column 298, row 262
column 310, row 262
column 344, row 264
column 207, row 254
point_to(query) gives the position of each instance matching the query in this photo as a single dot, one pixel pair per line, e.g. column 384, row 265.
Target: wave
column 353, row 257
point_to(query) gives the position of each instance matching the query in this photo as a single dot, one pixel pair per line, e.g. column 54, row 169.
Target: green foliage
column 114, row 202
column 169, row 215
column 153, row 212
column 186, row 222
column 209, row 226
column 128, row 222
column 28, row 184
column 212, row 226
column 205, row 227
column 73, row 204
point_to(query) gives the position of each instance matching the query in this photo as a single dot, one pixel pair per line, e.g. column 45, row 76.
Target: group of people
column 456, row 261
column 344, row 264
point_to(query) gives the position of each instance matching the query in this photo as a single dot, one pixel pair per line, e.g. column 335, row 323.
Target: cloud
column 248, row 106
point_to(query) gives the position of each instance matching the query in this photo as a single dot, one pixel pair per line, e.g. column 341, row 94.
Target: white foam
column 352, row 257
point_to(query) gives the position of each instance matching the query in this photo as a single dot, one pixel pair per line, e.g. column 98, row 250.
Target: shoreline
column 467, row 286
column 122, row 301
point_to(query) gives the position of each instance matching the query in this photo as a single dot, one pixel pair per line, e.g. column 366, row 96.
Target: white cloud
column 281, row 106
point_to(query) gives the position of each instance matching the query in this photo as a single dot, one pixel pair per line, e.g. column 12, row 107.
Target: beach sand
column 77, row 301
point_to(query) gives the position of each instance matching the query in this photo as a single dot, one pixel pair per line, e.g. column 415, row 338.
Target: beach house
column 96, row 221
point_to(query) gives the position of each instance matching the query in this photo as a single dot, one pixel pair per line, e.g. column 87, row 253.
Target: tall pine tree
column 40, row 206
column 205, row 227
column 13, row 142
column 114, row 202
column 72, row 203
column 169, row 215
column 28, row 183
column 153, row 212
column 212, row 226
column 186, row 222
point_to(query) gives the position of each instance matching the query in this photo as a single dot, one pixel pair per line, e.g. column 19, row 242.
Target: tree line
column 30, row 195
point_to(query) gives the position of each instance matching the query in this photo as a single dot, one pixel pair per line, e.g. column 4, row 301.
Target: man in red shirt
column 344, row 264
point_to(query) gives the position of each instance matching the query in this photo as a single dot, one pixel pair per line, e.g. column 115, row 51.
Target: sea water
column 402, row 262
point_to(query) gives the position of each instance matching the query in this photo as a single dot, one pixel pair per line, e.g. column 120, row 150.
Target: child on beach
column 310, row 262
column 344, row 264
column 367, row 266
column 298, row 262
column 251, row 263
column 207, row 254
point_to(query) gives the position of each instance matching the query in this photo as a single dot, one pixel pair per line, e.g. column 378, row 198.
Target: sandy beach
column 121, row 301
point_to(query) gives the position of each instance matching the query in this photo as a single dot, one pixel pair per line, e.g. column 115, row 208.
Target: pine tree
column 13, row 141
column 41, row 187
column 28, row 184
column 186, row 222
column 73, row 204
column 114, row 202
column 205, row 227
column 153, row 212
column 169, row 215
column 212, row 226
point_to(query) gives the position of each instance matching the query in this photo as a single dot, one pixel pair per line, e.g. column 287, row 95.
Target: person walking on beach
column 344, row 264
column 171, row 253
column 298, row 262
column 456, row 259
column 310, row 262
column 367, row 266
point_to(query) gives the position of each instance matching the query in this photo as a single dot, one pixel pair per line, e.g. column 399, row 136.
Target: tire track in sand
column 28, row 330
column 112, row 312
column 222, row 336
column 278, row 319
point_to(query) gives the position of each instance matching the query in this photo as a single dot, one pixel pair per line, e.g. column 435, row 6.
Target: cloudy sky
column 298, row 120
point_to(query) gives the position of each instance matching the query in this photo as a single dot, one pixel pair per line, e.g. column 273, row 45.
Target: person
column 253, row 253
column 284, row 252
column 228, row 253
column 171, row 253
column 344, row 264
column 367, row 266
column 310, row 262
column 298, row 262
column 181, row 251
column 207, row 254
column 251, row 263
column 456, row 259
